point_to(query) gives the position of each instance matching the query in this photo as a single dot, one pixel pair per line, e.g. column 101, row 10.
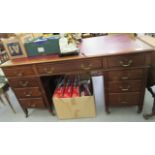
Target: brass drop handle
column 28, row 94
column 127, row 64
column 49, row 71
column 124, row 89
column 33, row 105
column 125, row 78
column 86, row 67
column 124, row 102
column 20, row 74
column 23, row 84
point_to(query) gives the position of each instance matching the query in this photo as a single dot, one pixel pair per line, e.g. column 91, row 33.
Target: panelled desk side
column 124, row 62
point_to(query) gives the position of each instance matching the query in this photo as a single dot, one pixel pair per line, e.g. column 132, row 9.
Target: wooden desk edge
column 31, row 61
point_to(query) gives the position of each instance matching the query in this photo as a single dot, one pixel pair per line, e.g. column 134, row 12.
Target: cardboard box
column 43, row 46
column 75, row 107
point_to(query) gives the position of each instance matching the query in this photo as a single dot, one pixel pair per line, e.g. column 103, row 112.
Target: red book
column 76, row 89
column 60, row 90
column 68, row 89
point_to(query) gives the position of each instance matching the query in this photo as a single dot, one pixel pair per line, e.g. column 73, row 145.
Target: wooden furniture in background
column 124, row 63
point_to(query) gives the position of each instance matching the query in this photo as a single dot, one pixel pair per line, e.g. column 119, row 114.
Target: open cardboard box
column 75, row 107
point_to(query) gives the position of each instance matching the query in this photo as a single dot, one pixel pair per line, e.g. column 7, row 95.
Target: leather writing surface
column 111, row 45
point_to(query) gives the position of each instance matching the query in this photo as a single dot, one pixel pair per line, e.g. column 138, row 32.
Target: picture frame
column 14, row 48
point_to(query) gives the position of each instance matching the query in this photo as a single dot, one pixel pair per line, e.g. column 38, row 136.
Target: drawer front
column 126, row 61
column 126, row 75
column 72, row 66
column 124, row 99
column 24, row 82
column 33, row 103
column 18, row 71
column 28, row 92
column 127, row 86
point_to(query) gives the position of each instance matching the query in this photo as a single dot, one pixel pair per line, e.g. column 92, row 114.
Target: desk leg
column 26, row 112
column 105, row 85
column 140, row 108
column 107, row 110
column 52, row 111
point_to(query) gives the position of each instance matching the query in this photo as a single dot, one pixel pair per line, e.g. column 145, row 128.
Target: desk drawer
column 126, row 74
column 24, row 82
column 19, row 71
column 124, row 99
column 126, row 86
column 72, row 66
column 125, row 61
column 33, row 103
column 28, row 92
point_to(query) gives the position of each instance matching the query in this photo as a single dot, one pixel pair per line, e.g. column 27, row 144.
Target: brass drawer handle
column 125, row 89
column 23, row 84
column 28, row 94
column 20, row 74
column 32, row 105
column 86, row 67
column 123, row 64
column 123, row 102
column 125, row 78
column 49, row 71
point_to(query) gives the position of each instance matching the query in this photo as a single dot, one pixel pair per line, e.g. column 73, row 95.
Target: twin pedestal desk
column 124, row 62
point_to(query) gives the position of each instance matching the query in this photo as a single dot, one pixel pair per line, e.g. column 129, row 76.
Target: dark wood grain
column 124, row 86
column 28, row 92
column 124, row 99
column 23, row 82
column 33, row 103
column 130, row 74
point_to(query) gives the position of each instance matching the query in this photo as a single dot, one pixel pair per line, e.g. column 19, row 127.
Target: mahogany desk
column 123, row 61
